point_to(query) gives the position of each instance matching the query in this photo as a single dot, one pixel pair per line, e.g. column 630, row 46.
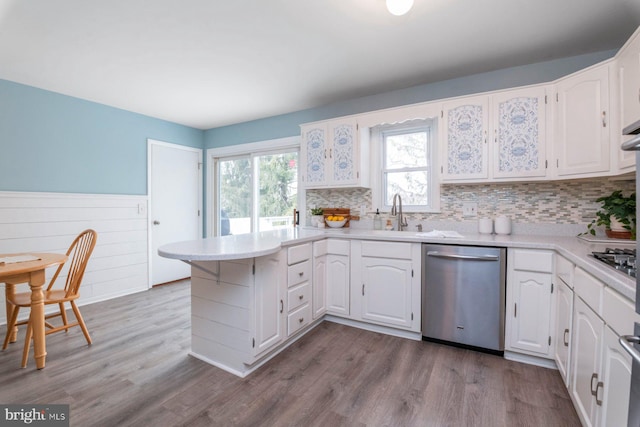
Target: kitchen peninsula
column 255, row 294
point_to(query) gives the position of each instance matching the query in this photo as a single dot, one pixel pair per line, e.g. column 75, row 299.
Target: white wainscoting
column 48, row 222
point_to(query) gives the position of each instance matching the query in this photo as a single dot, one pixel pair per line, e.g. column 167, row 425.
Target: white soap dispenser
column 377, row 221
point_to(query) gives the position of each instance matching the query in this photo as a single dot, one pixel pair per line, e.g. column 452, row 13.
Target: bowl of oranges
column 335, row 221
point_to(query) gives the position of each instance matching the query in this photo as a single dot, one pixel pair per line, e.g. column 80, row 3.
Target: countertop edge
column 266, row 243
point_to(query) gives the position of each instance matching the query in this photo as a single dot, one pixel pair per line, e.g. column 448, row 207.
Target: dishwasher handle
column 627, row 341
column 437, row 254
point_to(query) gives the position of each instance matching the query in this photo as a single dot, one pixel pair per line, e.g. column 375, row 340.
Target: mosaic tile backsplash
column 556, row 202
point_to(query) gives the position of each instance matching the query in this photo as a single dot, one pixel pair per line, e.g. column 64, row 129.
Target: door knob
column 156, row 222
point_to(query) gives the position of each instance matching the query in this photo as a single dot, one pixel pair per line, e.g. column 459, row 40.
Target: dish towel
column 447, row 234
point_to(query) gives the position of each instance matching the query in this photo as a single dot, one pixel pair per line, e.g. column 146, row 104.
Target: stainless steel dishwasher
column 463, row 295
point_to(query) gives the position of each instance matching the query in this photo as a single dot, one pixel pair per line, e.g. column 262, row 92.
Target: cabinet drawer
column 298, row 273
column 386, row 250
column 298, row 296
column 589, row 289
column 541, row 261
column 619, row 312
column 298, row 253
column 298, row 319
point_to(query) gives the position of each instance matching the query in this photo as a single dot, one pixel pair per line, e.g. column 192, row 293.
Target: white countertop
column 268, row 242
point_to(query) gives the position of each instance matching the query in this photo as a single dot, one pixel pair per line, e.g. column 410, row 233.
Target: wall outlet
column 470, row 209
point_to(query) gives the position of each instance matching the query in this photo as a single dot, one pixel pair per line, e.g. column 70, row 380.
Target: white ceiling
column 209, row 63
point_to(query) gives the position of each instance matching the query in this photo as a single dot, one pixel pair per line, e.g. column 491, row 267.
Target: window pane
column 412, row 187
column 278, row 188
column 235, row 196
column 406, row 150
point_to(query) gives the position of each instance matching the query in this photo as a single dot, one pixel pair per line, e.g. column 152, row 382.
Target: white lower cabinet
column 270, row 295
column 612, row 392
column 385, row 284
column 588, row 331
column 564, row 315
column 331, row 266
column 529, row 302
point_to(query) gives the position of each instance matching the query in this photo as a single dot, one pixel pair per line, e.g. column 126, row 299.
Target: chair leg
column 11, row 324
column 63, row 314
column 80, row 321
column 27, row 345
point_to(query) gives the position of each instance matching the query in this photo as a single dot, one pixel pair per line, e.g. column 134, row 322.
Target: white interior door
column 175, row 179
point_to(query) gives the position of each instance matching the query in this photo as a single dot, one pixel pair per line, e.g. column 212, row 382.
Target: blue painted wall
column 288, row 124
column 55, row 143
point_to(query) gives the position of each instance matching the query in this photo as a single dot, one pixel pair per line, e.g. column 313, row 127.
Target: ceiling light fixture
column 399, row 7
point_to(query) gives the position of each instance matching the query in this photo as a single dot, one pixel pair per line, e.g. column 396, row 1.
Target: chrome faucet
column 402, row 222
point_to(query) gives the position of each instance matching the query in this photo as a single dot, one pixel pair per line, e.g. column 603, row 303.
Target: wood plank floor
column 138, row 372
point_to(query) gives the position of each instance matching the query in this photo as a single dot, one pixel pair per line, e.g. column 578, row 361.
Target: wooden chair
column 78, row 253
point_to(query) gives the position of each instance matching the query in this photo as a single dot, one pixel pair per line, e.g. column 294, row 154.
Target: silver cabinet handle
column 632, row 144
column 281, row 306
column 156, row 222
column 301, row 273
column 363, row 289
column 604, row 119
column 437, row 254
column 564, row 338
column 599, row 401
column 594, row 389
column 627, row 341
column 301, row 319
column 301, row 296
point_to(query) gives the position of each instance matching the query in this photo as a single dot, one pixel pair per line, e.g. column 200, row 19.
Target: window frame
column 250, row 150
column 378, row 134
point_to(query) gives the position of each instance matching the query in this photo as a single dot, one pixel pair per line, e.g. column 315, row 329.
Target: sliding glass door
column 256, row 192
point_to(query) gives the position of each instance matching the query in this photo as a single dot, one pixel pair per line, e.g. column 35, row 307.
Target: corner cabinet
column 495, row 137
column 582, row 135
column 385, row 283
column 519, row 133
column 332, row 156
column 331, row 279
column 564, row 315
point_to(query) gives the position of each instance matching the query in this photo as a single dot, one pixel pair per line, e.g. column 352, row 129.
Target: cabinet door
column 628, row 66
column 386, row 291
column 530, row 311
column 314, row 153
column 338, row 284
column 586, row 351
column 319, row 300
column 582, row 135
column 613, row 390
column 465, row 139
column 343, row 154
column 270, row 291
column 564, row 309
column 519, row 126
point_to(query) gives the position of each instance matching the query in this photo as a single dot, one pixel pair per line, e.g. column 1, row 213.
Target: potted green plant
column 317, row 216
column 617, row 214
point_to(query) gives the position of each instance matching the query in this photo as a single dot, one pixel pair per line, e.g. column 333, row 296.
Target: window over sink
column 407, row 160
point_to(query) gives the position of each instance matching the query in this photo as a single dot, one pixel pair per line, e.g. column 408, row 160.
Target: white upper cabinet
column 332, row 156
column 498, row 136
column 628, row 67
column 464, row 138
column 583, row 124
column 519, row 140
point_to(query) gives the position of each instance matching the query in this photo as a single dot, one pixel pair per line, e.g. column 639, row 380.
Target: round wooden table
column 32, row 272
